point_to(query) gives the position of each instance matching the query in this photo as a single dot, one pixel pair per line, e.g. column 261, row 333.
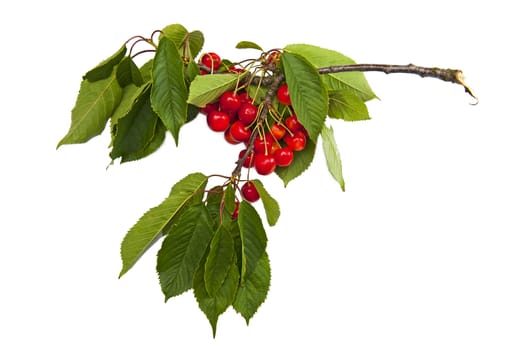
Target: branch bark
column 451, row 75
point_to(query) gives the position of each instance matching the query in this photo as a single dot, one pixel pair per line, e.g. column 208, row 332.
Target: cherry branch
column 451, row 75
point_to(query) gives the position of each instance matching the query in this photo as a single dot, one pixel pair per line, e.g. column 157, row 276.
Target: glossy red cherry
column 239, row 131
column 229, row 138
column 245, row 97
column 209, row 107
column 248, row 162
column 283, row 95
column 296, row 142
column 264, row 163
column 218, row 120
column 229, row 102
column 249, row 192
column 283, row 156
column 293, row 124
column 263, row 144
column 277, row 131
column 247, row 113
column 211, row 60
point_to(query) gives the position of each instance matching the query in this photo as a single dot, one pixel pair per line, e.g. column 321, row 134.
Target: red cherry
column 229, row 102
column 235, row 213
column 211, row 60
column 245, row 97
column 240, row 132
column 263, row 144
column 283, row 156
column 283, row 95
column 229, row 138
column 297, row 142
column 218, row 120
column 277, row 131
column 235, row 69
column 249, row 192
column 264, row 163
column 209, row 107
column 293, row 124
column 274, row 56
column 247, row 113
column 248, row 162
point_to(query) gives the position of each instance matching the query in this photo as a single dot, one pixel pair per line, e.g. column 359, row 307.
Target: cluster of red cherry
column 236, row 115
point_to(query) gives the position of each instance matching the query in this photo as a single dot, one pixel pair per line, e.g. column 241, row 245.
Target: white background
column 424, row 250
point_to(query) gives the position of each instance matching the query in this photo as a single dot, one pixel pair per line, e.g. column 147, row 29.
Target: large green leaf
column 321, row 57
column 183, row 249
column 252, row 293
column 219, row 260
column 134, row 132
column 307, row 92
column 333, row 159
column 346, row 105
column 301, row 162
column 214, row 306
column 253, row 238
column 104, row 68
column 94, row 105
column 156, row 221
column 271, row 207
column 169, row 92
column 208, row 88
column 151, row 147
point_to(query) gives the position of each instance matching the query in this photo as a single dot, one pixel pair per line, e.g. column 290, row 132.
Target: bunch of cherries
column 236, row 115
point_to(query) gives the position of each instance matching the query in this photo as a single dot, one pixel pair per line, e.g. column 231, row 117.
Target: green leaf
column 333, row 159
column 169, row 92
column 301, row 162
column 128, row 73
column 252, row 293
column 321, row 57
column 130, row 95
column 95, row 103
column 146, row 69
column 175, row 32
column 151, row 147
column 134, row 132
column 196, row 42
column 213, row 203
column 248, row 45
column 104, row 68
column 253, row 238
column 307, row 92
column 214, row 306
column 183, row 249
column 157, row 221
column 271, row 207
column 346, row 105
column 219, row 260
column 208, row 88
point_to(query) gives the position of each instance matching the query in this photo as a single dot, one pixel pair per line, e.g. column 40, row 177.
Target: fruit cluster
column 278, row 134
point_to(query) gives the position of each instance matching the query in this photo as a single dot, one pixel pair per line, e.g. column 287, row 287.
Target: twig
column 451, row 75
